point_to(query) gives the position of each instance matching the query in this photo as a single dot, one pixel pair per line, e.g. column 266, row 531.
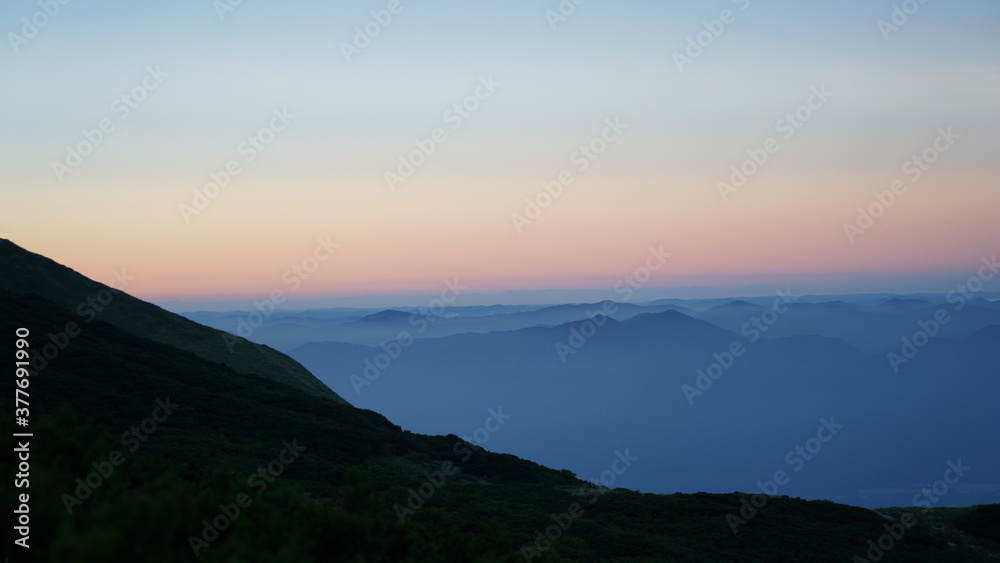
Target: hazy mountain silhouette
column 625, row 384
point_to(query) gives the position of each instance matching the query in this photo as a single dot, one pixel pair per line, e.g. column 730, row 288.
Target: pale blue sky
column 353, row 120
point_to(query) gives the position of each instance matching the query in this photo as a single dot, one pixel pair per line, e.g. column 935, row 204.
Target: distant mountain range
column 668, row 384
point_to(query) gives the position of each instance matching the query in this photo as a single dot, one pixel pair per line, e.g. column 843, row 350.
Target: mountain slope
column 24, row 272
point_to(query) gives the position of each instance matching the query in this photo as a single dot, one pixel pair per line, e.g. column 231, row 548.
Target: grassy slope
column 24, row 272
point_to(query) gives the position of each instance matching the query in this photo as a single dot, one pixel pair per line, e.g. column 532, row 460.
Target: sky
column 381, row 148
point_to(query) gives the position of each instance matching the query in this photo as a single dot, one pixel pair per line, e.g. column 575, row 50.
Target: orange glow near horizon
column 588, row 238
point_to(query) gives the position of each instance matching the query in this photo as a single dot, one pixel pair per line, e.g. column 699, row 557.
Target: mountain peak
column 669, row 317
column 386, row 315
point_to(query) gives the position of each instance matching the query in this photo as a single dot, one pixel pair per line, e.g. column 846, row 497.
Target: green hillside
column 25, row 272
